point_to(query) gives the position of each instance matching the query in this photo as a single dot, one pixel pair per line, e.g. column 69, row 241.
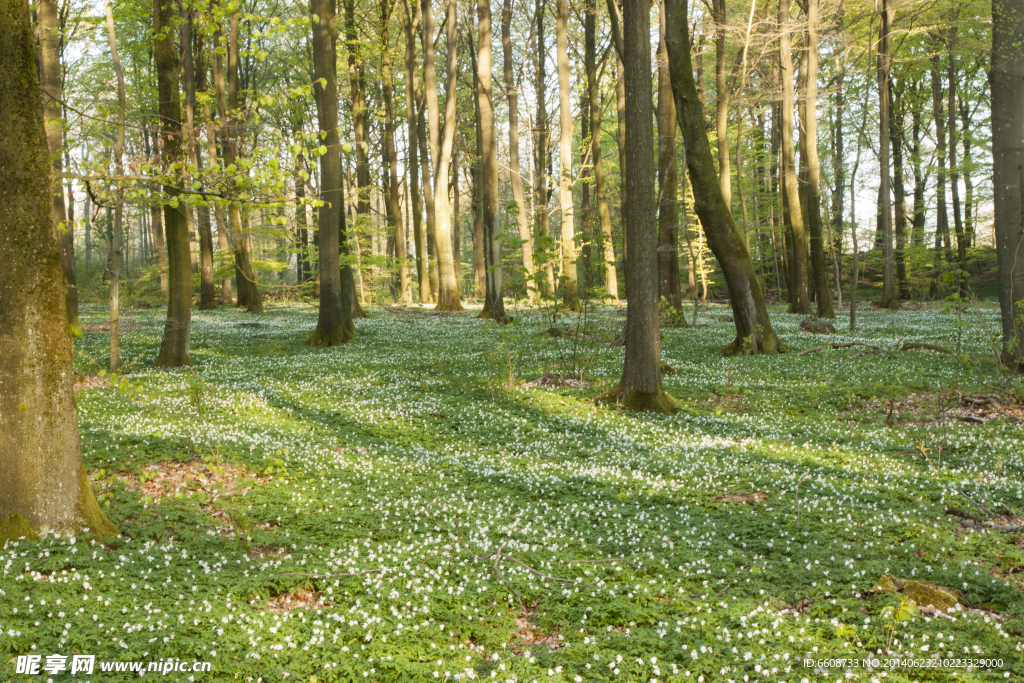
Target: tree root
column 768, row 346
column 828, row 347
column 321, row 338
column 641, row 402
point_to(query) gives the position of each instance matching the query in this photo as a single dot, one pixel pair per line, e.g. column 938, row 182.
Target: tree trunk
column 334, row 322
column 1007, row 82
column 754, row 332
column 822, row 292
column 640, row 387
column 404, row 285
column 885, row 190
column 722, row 102
column 357, row 79
column 570, row 291
column 917, row 229
column 668, row 206
column 174, row 347
column 941, row 215
column 412, row 107
column 247, row 284
column 441, row 151
column 540, row 147
column 194, row 73
column 522, row 219
column 954, row 178
column 839, row 194
column 965, row 127
column 799, row 294
column 302, row 271
column 51, row 40
column 494, row 306
column 115, row 252
column 899, row 189
column 611, row 281
column 44, row 487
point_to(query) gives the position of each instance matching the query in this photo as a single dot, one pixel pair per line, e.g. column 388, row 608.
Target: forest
column 526, row 340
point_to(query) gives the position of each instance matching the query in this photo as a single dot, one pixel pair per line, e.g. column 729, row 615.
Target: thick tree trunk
column 607, row 246
column 570, row 293
column 494, row 306
column 799, row 301
column 540, row 147
column 361, row 226
column 809, row 133
column 44, row 488
column 1007, row 82
column 917, row 229
column 754, row 332
column 334, row 322
column 839, row 193
column 668, row 206
column 640, row 387
column 515, row 178
column 174, row 347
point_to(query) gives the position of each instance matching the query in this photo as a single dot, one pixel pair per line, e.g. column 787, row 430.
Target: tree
column 1006, row 79
column 50, row 40
column 799, row 296
column 404, row 291
column 570, row 293
column 515, row 179
column 411, row 19
column 668, row 206
column 494, row 306
column 754, row 332
column 640, row 387
column 542, row 194
column 44, row 487
column 884, row 190
column 334, row 322
column 174, row 347
column 115, row 250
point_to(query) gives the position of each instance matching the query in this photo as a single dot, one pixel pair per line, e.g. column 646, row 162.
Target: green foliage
column 523, row 532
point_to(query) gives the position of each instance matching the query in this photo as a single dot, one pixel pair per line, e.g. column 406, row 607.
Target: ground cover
column 403, row 508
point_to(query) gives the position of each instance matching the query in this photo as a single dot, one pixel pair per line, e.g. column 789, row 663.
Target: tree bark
column 570, row 293
column 668, row 205
column 640, row 387
column 50, row 77
column 357, row 79
column 334, row 321
column 174, row 347
column 899, row 188
column 885, row 190
column 722, row 101
column 1006, row 79
column 954, row 178
column 44, row 488
column 822, row 292
column 515, row 178
column 611, row 280
column 404, row 284
column 941, row 214
column 540, row 147
column 799, row 294
column 441, row 150
column 754, row 332
column 115, row 252
column 494, row 306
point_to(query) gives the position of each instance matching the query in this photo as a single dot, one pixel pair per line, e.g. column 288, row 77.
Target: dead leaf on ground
column 300, row 599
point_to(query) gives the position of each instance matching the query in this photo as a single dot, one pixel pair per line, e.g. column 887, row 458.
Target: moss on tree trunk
column 43, row 484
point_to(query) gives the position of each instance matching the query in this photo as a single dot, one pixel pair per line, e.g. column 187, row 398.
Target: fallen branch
column 846, row 345
column 923, row 346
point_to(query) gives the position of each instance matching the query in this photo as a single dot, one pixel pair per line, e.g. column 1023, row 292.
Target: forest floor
column 408, row 508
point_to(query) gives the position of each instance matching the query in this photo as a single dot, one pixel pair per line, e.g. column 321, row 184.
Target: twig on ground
column 846, row 345
column 977, row 505
column 320, row 576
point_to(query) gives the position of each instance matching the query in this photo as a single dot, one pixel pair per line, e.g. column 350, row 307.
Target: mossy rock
column 921, row 592
column 16, row 528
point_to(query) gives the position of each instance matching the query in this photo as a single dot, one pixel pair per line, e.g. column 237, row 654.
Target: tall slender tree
column 494, row 306
column 114, row 263
column 334, row 322
column 568, row 234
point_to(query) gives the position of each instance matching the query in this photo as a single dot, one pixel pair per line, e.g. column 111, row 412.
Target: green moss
column 89, row 513
column 321, row 338
column 921, row 592
column 14, row 528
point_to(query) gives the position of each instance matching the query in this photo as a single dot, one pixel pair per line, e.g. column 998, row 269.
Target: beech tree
column 44, row 488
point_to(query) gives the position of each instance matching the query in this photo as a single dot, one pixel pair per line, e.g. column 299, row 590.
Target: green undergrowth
column 402, row 508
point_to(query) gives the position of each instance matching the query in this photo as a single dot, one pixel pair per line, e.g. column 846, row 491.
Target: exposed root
column 641, row 402
column 336, row 336
column 768, row 345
